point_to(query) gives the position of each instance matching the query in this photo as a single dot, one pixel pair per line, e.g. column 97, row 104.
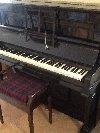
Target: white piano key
column 62, row 66
column 84, row 73
column 70, row 69
column 46, row 66
column 47, row 61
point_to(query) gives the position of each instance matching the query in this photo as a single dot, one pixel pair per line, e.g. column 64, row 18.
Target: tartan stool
column 25, row 92
column 1, row 116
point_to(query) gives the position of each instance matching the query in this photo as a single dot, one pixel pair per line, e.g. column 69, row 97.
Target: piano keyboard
column 44, row 63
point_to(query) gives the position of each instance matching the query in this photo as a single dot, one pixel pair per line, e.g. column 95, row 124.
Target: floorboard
column 16, row 121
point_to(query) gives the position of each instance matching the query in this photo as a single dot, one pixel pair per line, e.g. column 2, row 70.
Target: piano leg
column 1, row 116
column 90, row 114
column 30, row 119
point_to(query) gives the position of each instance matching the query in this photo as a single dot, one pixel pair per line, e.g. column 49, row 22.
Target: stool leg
column 30, row 119
column 50, row 108
column 1, row 116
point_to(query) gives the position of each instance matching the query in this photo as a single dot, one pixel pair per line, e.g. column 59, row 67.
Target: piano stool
column 25, row 92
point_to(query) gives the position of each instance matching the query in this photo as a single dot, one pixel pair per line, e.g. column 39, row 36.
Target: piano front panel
column 34, row 21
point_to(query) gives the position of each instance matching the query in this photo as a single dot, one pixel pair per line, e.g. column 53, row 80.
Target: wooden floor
column 16, row 121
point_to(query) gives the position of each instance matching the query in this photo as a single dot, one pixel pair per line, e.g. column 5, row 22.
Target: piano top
column 71, row 4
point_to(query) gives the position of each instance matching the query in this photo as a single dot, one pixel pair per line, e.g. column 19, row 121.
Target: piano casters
column 90, row 114
column 1, row 116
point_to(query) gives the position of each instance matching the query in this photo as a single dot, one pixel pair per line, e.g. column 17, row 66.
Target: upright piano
column 61, row 40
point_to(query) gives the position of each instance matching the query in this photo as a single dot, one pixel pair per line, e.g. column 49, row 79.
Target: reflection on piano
column 49, row 39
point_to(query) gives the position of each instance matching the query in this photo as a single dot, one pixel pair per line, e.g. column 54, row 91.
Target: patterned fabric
column 20, row 85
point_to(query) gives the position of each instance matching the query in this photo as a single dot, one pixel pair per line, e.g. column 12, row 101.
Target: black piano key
column 73, row 69
column 64, row 66
column 76, row 70
column 25, row 54
column 52, row 62
column 80, row 71
column 20, row 52
column 83, row 72
column 7, row 49
column 38, row 58
column 31, row 56
column 15, row 52
column 10, row 50
column 56, row 65
column 45, row 60
column 59, row 64
column 69, row 67
column 42, row 60
column 4, row 48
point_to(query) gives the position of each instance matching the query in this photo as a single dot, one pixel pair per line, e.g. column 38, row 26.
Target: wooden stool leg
column 4, row 68
column 1, row 116
column 30, row 119
column 50, row 108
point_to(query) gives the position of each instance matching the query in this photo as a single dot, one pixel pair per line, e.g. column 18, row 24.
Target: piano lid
column 72, row 4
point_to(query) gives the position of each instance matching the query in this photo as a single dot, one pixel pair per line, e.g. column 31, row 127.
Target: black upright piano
column 61, row 40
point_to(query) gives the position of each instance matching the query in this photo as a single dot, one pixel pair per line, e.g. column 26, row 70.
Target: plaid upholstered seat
column 27, row 91
column 20, row 85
